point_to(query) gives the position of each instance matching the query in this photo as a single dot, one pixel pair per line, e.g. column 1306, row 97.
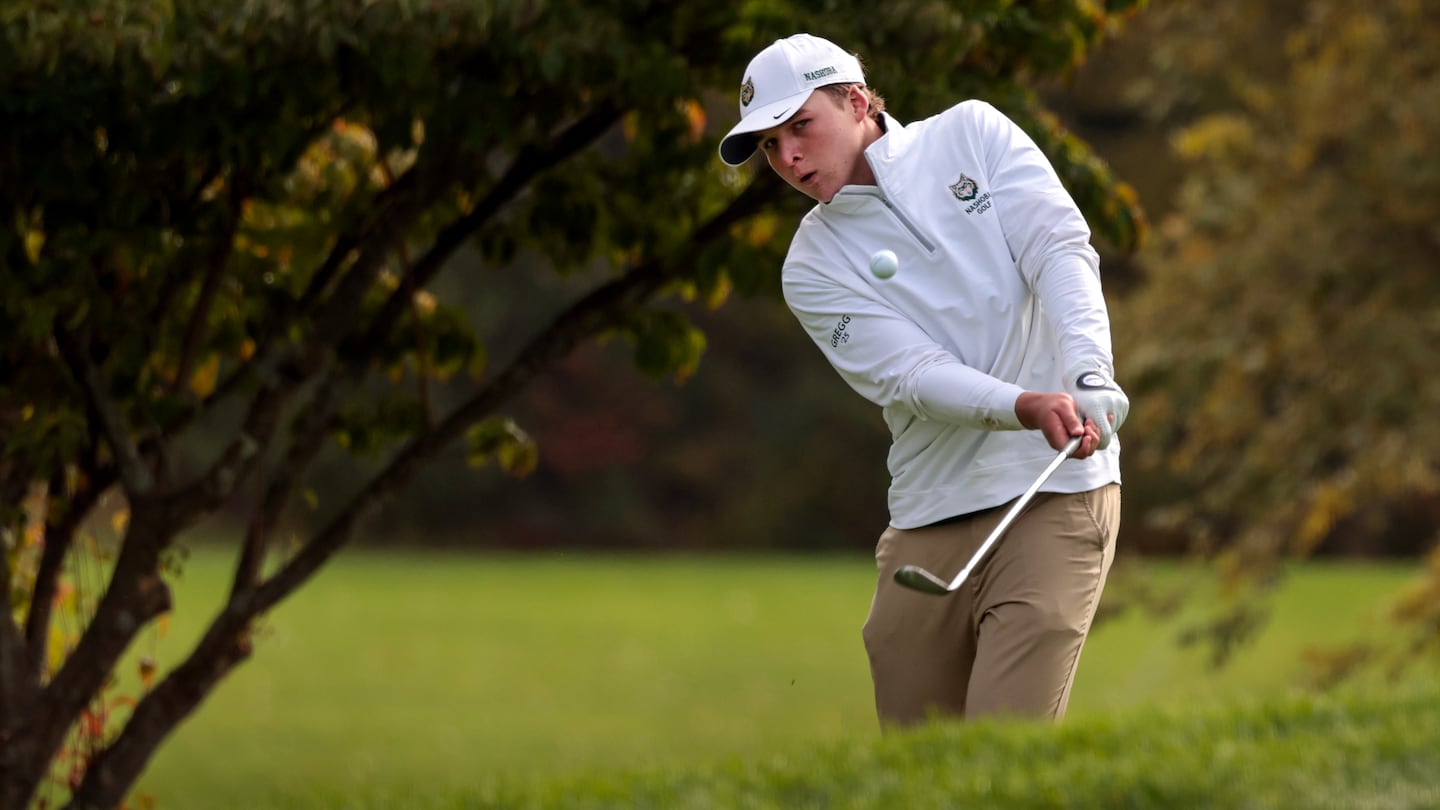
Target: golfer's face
column 817, row 149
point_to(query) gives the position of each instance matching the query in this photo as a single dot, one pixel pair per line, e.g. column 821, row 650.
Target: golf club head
column 916, row 578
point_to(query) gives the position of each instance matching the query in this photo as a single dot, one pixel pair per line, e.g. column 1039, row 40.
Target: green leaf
column 665, row 344
column 501, row 439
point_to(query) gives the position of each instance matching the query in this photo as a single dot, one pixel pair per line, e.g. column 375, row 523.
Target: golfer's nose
column 788, row 149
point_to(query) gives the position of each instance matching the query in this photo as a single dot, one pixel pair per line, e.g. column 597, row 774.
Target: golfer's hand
column 1055, row 416
column 1099, row 399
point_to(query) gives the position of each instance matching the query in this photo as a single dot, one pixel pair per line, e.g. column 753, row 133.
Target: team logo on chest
column 966, row 190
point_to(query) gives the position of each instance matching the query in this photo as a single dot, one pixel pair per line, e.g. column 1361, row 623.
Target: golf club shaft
column 1015, row 511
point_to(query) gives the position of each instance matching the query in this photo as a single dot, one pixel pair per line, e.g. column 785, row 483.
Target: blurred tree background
column 223, row 228
column 223, row 293
column 1297, row 271
column 1274, row 334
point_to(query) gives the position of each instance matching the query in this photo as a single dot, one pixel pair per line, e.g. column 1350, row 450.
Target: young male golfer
column 987, row 350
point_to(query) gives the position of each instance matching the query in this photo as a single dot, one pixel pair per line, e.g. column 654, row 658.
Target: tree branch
column 601, row 309
column 226, row 642
column 267, row 361
column 282, row 374
column 59, row 536
column 134, row 474
column 185, row 258
column 348, row 243
column 136, row 593
column 16, row 685
column 310, row 432
column 113, row 770
column 530, row 162
column 252, row 550
column 398, row 207
column 42, row 599
column 395, row 209
column 215, row 268
column 135, row 596
column 235, row 462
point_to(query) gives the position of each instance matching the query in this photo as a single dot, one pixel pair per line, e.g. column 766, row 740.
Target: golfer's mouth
column 806, row 179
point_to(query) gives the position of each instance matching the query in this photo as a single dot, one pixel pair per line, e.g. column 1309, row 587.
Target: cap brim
column 739, row 144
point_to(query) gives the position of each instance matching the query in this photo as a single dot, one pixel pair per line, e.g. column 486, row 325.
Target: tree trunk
column 113, row 772
column 136, row 595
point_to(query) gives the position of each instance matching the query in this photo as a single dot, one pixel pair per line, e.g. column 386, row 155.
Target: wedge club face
column 918, row 579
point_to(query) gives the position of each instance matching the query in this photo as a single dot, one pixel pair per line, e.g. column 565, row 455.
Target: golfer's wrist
column 1027, row 410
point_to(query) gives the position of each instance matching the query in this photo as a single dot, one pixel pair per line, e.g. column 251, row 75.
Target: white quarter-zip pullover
column 998, row 293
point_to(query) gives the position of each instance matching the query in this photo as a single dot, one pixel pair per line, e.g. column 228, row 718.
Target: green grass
column 1350, row 752
column 446, row 675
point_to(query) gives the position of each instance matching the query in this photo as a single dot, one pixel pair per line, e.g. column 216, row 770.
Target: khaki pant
column 1008, row 641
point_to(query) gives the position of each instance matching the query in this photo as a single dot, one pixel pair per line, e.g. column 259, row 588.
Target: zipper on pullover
column 901, row 217
column 904, row 219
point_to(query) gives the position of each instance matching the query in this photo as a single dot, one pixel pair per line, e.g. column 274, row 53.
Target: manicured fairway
column 396, row 673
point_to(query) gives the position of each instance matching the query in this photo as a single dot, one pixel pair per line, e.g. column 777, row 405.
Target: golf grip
column 1015, row 511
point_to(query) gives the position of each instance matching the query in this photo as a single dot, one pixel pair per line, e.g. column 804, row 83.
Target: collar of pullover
column 884, row 151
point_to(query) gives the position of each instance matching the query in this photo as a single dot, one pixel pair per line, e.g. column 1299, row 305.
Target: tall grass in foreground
column 1373, row 751
column 1317, row 753
column 420, row 676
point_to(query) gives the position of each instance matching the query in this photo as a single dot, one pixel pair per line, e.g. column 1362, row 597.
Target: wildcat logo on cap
column 747, row 92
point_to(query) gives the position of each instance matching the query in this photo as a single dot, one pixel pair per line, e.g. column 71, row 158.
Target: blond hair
column 841, row 92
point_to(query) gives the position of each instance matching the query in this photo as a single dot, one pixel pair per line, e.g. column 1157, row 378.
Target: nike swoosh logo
column 782, row 112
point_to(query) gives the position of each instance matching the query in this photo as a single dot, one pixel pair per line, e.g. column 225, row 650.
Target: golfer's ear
column 859, row 102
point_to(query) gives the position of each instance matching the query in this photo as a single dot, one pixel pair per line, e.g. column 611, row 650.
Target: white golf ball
column 884, row 264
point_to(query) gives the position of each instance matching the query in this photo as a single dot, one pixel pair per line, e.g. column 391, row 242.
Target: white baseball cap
column 778, row 80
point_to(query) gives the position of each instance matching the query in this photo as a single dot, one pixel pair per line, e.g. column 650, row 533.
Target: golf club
column 917, row 578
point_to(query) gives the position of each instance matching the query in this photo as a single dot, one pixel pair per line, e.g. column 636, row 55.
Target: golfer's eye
column 767, row 144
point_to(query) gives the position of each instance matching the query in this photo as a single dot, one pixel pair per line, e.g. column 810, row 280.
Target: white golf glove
column 1098, row 398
